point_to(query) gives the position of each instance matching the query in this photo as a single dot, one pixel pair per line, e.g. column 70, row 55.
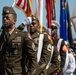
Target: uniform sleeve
column 45, row 56
column 55, row 63
column 31, row 56
column 71, row 65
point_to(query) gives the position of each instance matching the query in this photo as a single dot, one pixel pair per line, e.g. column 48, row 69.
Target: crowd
column 33, row 52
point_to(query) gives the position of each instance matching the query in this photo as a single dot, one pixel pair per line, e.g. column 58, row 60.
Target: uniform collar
column 35, row 35
column 10, row 32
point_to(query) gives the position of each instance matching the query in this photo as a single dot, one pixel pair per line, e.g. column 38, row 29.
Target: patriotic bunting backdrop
column 24, row 5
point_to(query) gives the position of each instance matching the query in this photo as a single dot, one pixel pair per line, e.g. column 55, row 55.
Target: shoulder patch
column 49, row 47
column 33, row 47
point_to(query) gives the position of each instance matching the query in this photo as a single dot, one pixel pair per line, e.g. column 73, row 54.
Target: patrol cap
column 55, row 25
column 8, row 10
column 34, row 18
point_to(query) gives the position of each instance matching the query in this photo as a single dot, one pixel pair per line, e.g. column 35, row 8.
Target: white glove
column 27, row 21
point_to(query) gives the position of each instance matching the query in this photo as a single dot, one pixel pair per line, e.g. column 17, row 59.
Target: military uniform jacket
column 55, row 63
column 62, row 54
column 46, row 51
column 18, row 49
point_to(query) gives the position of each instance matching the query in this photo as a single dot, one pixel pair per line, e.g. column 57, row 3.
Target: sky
column 21, row 16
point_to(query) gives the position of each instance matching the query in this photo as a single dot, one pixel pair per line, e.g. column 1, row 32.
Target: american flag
column 23, row 5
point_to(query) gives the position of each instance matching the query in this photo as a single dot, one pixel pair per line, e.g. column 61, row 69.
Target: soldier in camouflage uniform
column 17, row 50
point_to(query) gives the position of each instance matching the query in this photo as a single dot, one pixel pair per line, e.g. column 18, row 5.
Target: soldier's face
column 34, row 26
column 8, row 20
column 54, row 32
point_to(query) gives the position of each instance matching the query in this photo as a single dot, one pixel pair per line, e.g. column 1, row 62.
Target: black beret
column 8, row 10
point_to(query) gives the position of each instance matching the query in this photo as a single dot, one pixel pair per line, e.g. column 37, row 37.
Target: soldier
column 46, row 47
column 70, row 62
column 53, row 65
column 60, row 43
column 16, row 50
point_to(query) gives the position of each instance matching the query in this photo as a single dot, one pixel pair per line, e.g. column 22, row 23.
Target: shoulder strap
column 41, row 37
column 59, row 44
column 66, row 62
column 50, row 57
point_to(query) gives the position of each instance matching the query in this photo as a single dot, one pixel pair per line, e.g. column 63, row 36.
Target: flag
column 63, row 29
column 69, row 31
column 54, row 0
column 29, row 8
column 23, row 5
column 39, row 12
column 49, row 14
column 53, row 11
column 73, row 18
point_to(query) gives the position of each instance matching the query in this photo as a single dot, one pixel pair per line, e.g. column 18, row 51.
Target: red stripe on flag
column 19, row 2
column 24, row 4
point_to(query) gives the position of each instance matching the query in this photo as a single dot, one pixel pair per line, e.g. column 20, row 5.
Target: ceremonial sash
column 40, row 45
column 59, row 44
column 48, row 65
column 66, row 60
